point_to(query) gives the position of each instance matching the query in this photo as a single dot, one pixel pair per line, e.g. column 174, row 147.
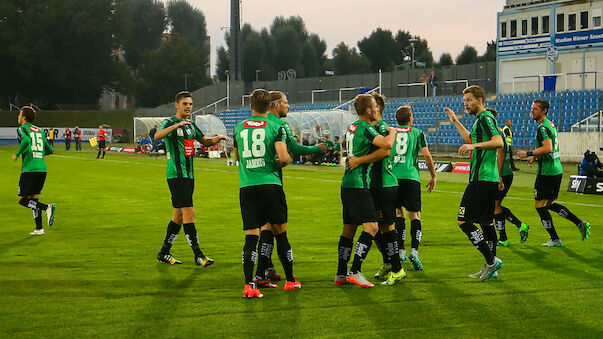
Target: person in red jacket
column 102, row 137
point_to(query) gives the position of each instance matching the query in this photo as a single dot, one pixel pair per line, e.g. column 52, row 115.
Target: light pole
column 412, row 45
column 185, row 81
column 227, row 72
column 257, row 73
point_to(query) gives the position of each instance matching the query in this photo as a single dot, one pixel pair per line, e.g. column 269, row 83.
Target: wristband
column 530, row 153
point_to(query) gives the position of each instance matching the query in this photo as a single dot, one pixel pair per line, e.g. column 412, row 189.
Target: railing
column 540, row 78
column 243, row 99
column 443, row 85
column 591, row 123
column 214, row 104
column 408, row 86
column 347, row 103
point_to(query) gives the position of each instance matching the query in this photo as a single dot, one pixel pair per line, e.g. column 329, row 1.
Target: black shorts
column 547, row 187
column 182, row 191
column 508, row 181
column 385, row 204
column 409, row 195
column 358, row 206
column 477, row 205
column 102, row 144
column 262, row 204
column 31, row 183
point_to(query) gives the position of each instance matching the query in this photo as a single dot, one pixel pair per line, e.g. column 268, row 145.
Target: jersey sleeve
column 24, row 143
column 47, row 148
column 544, row 133
column 198, row 134
column 422, row 141
column 489, row 126
column 298, row 149
column 281, row 134
column 370, row 133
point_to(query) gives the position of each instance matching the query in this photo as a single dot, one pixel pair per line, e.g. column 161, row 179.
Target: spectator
column 336, row 150
column 590, row 165
column 328, row 156
column 152, row 135
column 77, row 135
column 51, row 136
column 67, row 135
column 145, row 144
column 424, row 78
column 433, row 83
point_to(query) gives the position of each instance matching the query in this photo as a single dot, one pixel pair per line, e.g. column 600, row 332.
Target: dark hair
column 403, row 114
column 362, row 102
column 182, row 95
column 544, row 104
column 29, row 113
column 260, row 100
column 493, row 111
column 380, row 99
column 477, row 92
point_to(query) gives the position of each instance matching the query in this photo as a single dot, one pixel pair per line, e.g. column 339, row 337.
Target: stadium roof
column 530, row 3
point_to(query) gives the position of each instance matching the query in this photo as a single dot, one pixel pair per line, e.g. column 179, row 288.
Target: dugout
column 315, row 124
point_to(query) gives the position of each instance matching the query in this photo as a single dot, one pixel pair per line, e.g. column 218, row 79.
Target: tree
column 468, row 55
column 188, row 22
column 422, row 51
column 222, row 63
column 140, row 24
column 445, row 60
column 347, row 61
column 163, row 71
column 490, row 54
column 381, row 49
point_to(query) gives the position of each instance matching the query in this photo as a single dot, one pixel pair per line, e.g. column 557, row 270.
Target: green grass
column 94, row 273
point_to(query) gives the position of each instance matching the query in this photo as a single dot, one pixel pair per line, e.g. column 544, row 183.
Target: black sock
column 363, row 245
column 285, row 254
column 191, row 235
column 547, row 221
column 34, row 204
column 499, row 221
column 415, row 230
column 381, row 244
column 170, row 236
column 478, row 240
column 564, row 212
column 490, row 237
column 103, row 154
column 511, row 217
column 249, row 256
column 392, row 250
column 37, row 215
column 265, row 246
column 98, row 155
column 400, row 231
column 344, row 253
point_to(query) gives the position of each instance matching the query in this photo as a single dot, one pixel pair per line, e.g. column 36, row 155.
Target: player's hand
column 522, row 154
column 431, row 184
column 466, row 148
column 224, row 137
column 183, row 123
column 451, row 115
column 15, row 157
column 391, row 129
column 530, row 161
column 501, row 185
column 353, row 162
column 323, row 148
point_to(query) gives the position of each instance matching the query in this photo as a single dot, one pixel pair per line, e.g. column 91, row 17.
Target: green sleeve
column 298, row 149
column 198, row 134
column 25, row 142
column 47, row 148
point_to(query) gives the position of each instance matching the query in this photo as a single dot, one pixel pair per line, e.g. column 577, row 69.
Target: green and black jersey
column 548, row 164
column 254, row 139
column 382, row 174
column 484, row 163
column 292, row 145
column 405, row 152
column 180, row 148
column 359, row 139
column 506, row 170
column 33, row 147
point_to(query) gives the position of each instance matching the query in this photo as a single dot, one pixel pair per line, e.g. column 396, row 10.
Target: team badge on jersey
column 254, row 124
column 352, row 128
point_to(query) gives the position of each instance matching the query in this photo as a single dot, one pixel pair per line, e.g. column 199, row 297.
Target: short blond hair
column 362, row 102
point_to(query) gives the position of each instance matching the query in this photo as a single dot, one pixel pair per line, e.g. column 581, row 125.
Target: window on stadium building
column 545, row 24
column 513, row 28
column 596, row 21
column 524, row 27
column 535, row 26
column 560, row 23
column 584, row 20
column 571, row 22
column 503, row 29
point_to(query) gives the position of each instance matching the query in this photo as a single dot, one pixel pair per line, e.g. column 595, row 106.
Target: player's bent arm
column 500, row 157
column 24, row 145
column 47, row 148
column 162, row 133
column 298, row 149
column 385, row 142
column 465, row 134
column 494, row 143
column 283, row 155
column 546, row 148
column 212, row 141
column 377, row 155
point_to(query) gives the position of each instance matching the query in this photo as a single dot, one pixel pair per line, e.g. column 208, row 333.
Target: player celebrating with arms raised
column 550, row 174
column 477, row 204
column 180, row 135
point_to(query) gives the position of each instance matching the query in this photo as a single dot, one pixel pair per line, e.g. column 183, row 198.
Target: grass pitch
column 94, row 273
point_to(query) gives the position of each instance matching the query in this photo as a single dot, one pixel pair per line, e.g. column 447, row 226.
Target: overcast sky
column 448, row 25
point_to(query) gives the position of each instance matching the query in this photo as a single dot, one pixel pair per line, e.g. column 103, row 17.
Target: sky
column 447, row 25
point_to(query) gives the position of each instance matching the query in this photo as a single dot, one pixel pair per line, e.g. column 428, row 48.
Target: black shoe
column 515, row 169
column 167, row 258
column 204, row 261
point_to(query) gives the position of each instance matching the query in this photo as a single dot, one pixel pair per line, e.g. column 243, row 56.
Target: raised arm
column 162, row 133
column 465, row 134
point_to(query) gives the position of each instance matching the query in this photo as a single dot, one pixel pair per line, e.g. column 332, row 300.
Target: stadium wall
column 572, row 145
